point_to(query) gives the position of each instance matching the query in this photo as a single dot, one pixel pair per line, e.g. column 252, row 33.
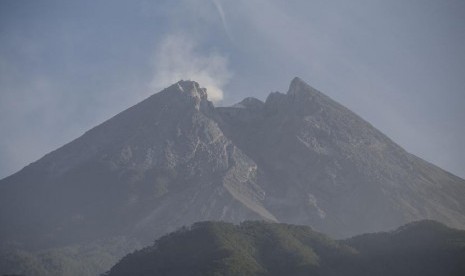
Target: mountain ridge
column 300, row 116
column 175, row 158
column 259, row 248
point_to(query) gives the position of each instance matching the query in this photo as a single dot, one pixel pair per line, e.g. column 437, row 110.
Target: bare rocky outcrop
column 324, row 166
column 175, row 159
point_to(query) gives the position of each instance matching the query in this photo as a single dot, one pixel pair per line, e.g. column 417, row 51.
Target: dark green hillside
column 76, row 260
column 218, row 248
column 259, row 248
column 419, row 248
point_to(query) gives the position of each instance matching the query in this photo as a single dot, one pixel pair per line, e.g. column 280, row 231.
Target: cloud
column 177, row 57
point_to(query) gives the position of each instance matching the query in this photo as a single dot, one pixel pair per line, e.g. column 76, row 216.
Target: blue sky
column 66, row 66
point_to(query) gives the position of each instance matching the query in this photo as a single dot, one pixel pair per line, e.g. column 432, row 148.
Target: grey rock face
column 324, row 166
column 175, row 159
column 151, row 169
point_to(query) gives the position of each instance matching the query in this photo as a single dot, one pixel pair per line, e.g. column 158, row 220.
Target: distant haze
column 67, row 66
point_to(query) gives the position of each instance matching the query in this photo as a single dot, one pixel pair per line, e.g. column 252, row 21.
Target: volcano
column 175, row 159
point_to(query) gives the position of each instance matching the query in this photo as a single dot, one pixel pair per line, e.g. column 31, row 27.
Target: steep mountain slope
column 258, row 248
column 159, row 165
column 322, row 165
column 175, row 159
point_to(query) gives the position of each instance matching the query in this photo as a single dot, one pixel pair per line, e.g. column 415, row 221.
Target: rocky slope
column 175, row 159
column 322, row 165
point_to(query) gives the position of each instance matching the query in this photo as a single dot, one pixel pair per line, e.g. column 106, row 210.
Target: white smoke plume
column 177, row 58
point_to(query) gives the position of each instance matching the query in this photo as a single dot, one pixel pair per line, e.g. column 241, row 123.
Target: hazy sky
column 66, row 66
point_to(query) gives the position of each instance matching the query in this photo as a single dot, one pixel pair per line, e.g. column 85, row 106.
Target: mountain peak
column 250, row 102
column 299, row 87
column 300, row 97
column 296, row 81
column 190, row 88
column 189, row 91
